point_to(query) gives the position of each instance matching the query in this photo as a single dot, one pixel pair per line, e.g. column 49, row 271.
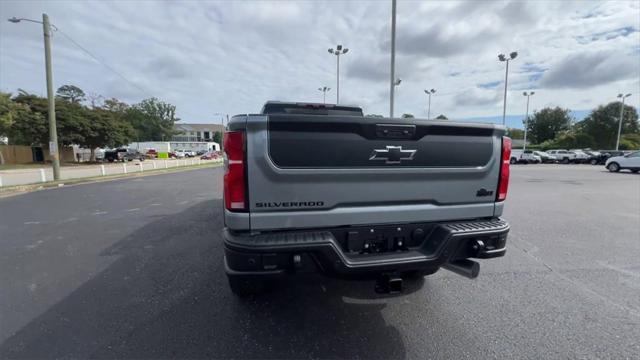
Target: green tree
column 70, row 93
column 217, row 137
column 105, row 129
column 515, row 133
column 602, row 124
column 407, row 116
column 442, row 117
column 152, row 119
column 8, row 112
column 547, row 123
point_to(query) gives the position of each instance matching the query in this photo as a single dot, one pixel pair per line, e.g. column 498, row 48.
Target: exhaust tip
column 465, row 267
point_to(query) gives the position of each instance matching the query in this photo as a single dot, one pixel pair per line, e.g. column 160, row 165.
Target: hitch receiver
column 389, row 284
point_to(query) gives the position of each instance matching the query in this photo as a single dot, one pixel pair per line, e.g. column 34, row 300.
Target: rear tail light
column 235, row 196
column 503, row 180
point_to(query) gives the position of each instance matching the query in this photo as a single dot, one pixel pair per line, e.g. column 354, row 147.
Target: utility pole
column 621, row 118
column 337, row 52
column 53, row 133
column 502, row 57
column 429, row 93
column 392, row 77
column 526, row 118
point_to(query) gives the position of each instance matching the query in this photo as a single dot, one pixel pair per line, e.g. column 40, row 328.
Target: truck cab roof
column 280, row 107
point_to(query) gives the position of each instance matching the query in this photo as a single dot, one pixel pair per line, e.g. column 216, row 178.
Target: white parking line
column 134, row 209
column 100, row 213
column 31, row 222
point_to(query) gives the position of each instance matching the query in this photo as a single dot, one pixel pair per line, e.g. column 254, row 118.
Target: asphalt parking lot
column 126, row 269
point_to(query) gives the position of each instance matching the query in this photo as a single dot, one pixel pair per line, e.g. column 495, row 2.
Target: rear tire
column 593, row 162
column 635, row 171
column 246, row 286
column 565, row 160
column 513, row 161
column 613, row 167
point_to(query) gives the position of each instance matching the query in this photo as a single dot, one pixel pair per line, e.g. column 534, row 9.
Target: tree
column 8, row 112
column 441, row 117
column 515, row 133
column 407, row 116
column 217, row 137
column 104, row 129
column 152, row 119
column 547, row 123
column 602, row 124
column 70, row 93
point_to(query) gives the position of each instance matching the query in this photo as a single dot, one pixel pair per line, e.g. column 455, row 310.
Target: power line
column 104, row 64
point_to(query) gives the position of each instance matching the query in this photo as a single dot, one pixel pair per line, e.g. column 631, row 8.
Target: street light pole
column 526, row 118
column 324, row 90
column 393, row 57
column 429, row 92
column 502, row 57
column 621, row 114
column 53, row 133
column 337, row 52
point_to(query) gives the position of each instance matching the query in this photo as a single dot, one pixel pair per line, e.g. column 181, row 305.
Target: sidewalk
column 43, row 174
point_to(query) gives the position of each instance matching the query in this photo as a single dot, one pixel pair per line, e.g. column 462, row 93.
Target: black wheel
column 635, row 171
column 513, row 161
column 613, row 167
column 246, row 286
column 110, row 160
column 565, row 160
column 593, row 162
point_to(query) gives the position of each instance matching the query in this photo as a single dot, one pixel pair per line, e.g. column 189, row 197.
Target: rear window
column 311, row 109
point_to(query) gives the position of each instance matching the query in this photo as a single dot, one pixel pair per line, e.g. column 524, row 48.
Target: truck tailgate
column 310, row 171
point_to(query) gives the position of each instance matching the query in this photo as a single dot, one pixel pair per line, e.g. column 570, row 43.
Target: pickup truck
column 360, row 197
column 524, row 157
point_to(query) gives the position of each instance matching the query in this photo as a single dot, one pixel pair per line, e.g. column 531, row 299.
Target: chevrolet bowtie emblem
column 392, row 155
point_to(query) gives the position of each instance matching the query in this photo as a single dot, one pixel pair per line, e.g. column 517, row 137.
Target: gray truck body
column 324, row 175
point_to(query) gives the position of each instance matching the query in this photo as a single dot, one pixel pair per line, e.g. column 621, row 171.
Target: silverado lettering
column 289, row 204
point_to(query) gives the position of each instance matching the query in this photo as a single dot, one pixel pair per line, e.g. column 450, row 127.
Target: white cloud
column 231, row 57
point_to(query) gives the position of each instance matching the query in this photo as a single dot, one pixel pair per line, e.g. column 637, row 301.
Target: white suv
column 629, row 161
column 563, row 156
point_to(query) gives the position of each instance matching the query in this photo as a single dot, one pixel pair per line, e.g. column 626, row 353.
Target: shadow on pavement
column 167, row 297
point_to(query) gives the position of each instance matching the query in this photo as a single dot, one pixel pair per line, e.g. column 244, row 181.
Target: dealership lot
column 139, row 273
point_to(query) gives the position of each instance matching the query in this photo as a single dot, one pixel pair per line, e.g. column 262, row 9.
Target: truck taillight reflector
column 503, row 181
column 235, row 197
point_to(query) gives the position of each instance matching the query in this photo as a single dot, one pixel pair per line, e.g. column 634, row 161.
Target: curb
column 24, row 189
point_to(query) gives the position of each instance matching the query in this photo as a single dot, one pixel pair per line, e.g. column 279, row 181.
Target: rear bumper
column 343, row 252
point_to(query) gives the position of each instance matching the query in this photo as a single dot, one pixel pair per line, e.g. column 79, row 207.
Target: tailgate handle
column 389, row 131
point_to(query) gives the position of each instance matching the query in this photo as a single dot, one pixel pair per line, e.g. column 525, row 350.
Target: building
column 196, row 132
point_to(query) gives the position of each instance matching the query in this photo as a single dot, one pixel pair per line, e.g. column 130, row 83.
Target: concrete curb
column 23, row 189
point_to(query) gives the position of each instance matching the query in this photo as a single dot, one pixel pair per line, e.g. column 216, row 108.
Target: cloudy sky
column 230, row 57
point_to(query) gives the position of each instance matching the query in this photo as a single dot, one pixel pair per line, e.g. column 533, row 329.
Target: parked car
column 211, row 155
column 630, row 162
column 123, row 154
column 189, row 153
column 152, row 154
column 545, row 157
column 201, row 152
column 288, row 213
column 562, row 156
column 581, row 156
column 524, row 157
column 179, row 154
column 595, row 157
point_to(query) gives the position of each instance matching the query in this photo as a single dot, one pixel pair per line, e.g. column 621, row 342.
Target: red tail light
column 503, row 180
column 235, row 197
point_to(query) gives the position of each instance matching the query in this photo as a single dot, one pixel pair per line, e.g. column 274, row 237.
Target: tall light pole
column 392, row 77
column 53, row 133
column 620, row 96
column 502, row 57
column 526, row 118
column 429, row 92
column 324, row 90
column 337, row 52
